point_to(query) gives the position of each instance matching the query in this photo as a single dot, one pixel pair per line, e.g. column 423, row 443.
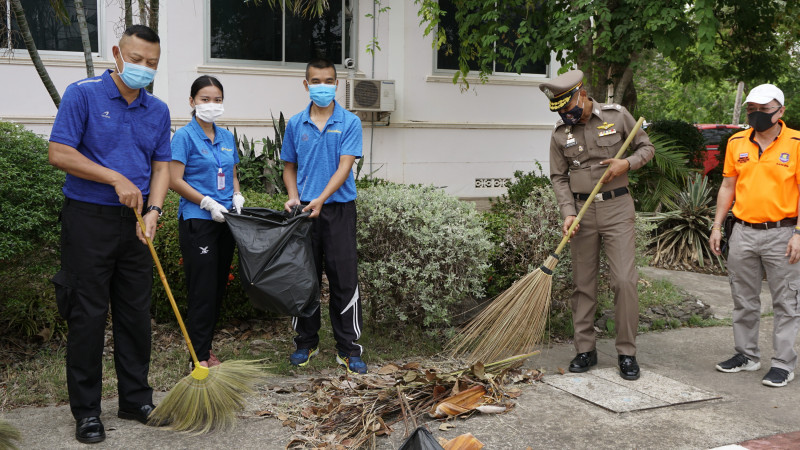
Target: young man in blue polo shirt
column 320, row 145
column 112, row 138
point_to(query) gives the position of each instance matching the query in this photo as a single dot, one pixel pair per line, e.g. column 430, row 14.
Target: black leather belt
column 101, row 210
column 787, row 222
column 602, row 196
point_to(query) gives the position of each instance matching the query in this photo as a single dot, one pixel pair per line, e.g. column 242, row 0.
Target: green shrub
column 682, row 237
column 262, row 171
column 662, row 178
column 421, row 252
column 236, row 304
column 519, row 189
column 685, row 135
column 29, row 232
column 31, row 192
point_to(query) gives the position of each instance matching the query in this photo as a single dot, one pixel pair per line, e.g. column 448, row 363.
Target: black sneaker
column 738, row 363
column 777, row 377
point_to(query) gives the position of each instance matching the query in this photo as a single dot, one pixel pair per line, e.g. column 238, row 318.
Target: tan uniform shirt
column 576, row 152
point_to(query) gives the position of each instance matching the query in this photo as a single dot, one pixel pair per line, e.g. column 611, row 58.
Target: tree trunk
column 128, row 14
column 87, row 45
column 152, row 21
column 623, row 85
column 142, row 12
column 22, row 22
column 737, row 106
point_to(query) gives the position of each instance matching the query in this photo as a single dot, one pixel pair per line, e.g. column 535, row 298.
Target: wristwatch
column 154, row 208
column 797, row 229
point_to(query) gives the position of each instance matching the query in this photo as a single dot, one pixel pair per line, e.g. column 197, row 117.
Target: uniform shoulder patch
column 612, row 106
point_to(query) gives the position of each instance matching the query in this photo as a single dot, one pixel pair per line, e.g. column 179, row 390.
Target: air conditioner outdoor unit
column 370, row 95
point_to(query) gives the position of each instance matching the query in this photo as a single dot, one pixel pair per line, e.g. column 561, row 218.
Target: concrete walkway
column 545, row 417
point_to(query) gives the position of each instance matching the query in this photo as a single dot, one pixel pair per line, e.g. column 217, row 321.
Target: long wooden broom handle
column 599, row 185
column 166, row 288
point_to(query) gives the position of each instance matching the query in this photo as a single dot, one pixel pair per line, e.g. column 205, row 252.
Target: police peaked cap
column 560, row 89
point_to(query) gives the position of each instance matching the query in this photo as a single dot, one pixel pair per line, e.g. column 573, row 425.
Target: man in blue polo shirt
column 320, row 145
column 112, row 138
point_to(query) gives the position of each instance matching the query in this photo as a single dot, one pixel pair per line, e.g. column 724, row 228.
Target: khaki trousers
column 611, row 221
column 752, row 252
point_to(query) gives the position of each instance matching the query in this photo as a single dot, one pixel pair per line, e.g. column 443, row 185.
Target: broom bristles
column 513, row 323
column 8, row 434
column 200, row 406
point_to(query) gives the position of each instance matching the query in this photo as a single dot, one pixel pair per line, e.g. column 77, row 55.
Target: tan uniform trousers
column 613, row 222
column 751, row 250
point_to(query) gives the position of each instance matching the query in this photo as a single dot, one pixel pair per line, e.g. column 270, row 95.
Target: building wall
column 439, row 133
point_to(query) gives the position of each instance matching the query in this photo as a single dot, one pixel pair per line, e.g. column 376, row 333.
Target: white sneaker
column 738, row 363
column 777, row 377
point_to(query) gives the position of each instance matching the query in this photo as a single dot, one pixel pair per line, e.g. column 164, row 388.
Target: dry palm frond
column 8, row 434
column 200, row 406
column 514, row 321
column 353, row 411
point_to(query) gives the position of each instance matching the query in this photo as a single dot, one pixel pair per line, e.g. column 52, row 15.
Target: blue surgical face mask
column 134, row 76
column 322, row 94
column 572, row 116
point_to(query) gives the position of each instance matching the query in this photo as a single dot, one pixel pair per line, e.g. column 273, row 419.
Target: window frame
column 8, row 51
column 347, row 44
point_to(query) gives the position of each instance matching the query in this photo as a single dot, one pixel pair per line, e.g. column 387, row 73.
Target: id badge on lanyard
column 220, row 180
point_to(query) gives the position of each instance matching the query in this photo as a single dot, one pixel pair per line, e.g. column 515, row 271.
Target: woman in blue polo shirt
column 203, row 172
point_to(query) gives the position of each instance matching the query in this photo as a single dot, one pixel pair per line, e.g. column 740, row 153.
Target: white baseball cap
column 765, row 93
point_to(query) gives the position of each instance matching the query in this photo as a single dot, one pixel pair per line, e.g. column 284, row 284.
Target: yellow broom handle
column 166, row 287
column 599, row 185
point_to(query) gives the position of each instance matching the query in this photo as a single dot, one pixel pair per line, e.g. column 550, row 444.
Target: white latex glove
column 238, row 202
column 216, row 210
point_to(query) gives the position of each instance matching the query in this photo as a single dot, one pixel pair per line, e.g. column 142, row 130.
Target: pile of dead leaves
column 349, row 412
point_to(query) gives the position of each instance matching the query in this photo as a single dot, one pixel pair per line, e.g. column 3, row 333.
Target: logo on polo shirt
column 744, row 157
column 203, row 250
column 226, row 149
column 304, row 137
column 105, row 115
column 784, row 157
column 335, row 131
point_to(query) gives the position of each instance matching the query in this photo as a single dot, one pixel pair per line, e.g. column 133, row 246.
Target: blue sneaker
column 302, row 356
column 353, row 364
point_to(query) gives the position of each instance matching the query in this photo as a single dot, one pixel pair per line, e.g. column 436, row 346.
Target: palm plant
column 661, row 180
column 682, row 235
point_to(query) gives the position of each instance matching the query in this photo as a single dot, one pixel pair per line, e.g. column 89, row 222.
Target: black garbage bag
column 421, row 439
column 275, row 260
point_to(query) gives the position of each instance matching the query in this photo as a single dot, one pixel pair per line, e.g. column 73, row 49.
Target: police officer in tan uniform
column 583, row 144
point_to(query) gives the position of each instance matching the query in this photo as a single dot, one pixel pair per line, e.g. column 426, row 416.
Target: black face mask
column 761, row 121
column 572, row 116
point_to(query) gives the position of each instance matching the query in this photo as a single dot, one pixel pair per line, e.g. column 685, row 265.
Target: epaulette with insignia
column 612, row 106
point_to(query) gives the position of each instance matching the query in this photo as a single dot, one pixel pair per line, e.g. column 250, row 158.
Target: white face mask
column 208, row 112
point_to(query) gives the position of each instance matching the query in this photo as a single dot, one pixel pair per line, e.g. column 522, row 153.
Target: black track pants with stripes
column 334, row 245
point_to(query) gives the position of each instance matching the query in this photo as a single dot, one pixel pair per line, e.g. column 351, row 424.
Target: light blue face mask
column 322, row 94
column 135, row 76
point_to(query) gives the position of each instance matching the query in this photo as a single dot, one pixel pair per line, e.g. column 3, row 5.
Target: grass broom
column 208, row 398
column 8, row 434
column 514, row 321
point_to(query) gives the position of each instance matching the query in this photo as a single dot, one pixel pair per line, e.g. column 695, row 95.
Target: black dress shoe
column 628, row 367
column 142, row 413
column 90, row 430
column 582, row 361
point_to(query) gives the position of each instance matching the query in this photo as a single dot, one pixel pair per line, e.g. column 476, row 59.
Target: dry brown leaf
column 464, row 442
column 478, row 370
column 446, row 426
column 431, row 375
column 388, row 369
column 263, row 413
column 513, row 393
column 410, row 376
column 460, row 403
column 561, row 370
column 411, row 366
column 282, row 417
column 307, row 412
